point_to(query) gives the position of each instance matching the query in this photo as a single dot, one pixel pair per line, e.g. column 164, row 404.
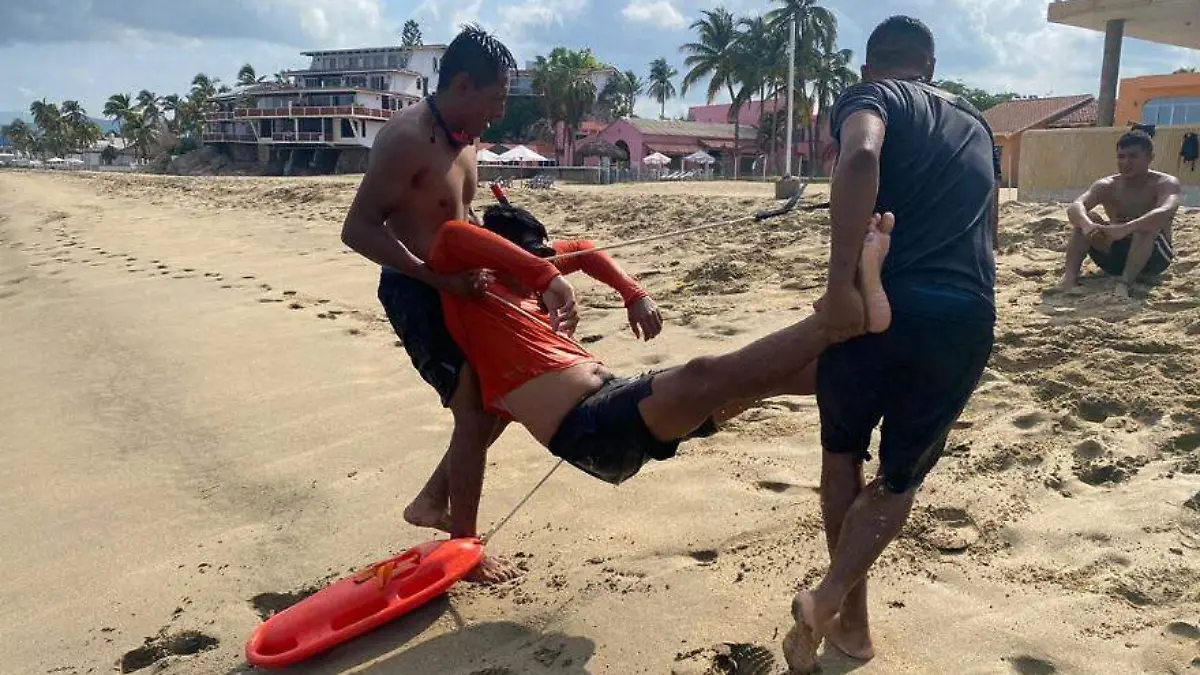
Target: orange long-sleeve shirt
column 507, row 338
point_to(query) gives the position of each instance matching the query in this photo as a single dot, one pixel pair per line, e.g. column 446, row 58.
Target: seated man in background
column 1140, row 204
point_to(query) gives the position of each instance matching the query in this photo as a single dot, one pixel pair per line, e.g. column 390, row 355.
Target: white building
column 327, row 116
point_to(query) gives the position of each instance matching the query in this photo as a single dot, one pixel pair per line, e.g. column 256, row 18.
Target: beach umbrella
column 522, row 154
column 487, row 156
column 55, row 160
column 700, row 157
column 657, row 158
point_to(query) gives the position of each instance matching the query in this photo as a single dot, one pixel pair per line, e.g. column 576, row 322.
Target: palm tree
column 148, row 106
column 660, row 85
column 831, row 74
column 635, row 86
column 246, row 76
column 815, row 26
column 564, row 80
column 172, row 104
column 20, row 134
column 143, row 134
column 281, row 78
column 717, row 56
column 620, row 94
column 119, row 107
column 763, row 68
column 49, row 122
column 79, row 130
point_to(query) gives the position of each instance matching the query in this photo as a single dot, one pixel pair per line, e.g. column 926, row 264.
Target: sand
column 206, row 413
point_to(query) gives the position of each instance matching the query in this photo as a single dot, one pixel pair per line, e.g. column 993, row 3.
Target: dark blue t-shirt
column 938, row 175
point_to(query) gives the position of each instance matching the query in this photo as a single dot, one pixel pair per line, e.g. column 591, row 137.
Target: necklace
column 456, row 139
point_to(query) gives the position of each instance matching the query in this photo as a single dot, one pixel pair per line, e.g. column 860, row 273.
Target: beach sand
column 206, row 413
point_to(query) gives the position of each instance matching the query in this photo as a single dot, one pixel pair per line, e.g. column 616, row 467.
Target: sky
column 90, row 49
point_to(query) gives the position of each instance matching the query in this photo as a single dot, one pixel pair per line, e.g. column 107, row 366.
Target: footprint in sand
column 952, row 530
column 155, row 650
column 778, row 487
column 1183, row 630
column 1029, row 420
column 1098, row 474
column 704, row 557
column 732, row 658
column 295, row 305
column 1028, row 665
column 1089, row 450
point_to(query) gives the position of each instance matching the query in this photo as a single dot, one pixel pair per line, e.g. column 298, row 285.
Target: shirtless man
column 1141, row 206
column 531, row 371
column 422, row 172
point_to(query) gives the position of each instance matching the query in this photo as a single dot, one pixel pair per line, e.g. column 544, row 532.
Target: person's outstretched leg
column 687, row 396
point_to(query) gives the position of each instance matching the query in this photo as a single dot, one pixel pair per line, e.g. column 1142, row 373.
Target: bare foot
column 424, row 514
column 801, row 642
column 1122, row 291
column 492, row 570
column 1067, row 282
column 870, row 266
column 853, row 641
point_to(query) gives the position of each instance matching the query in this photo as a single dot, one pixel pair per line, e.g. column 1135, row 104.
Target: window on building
column 435, row 64
column 393, row 60
column 347, row 130
column 1172, row 111
column 425, row 86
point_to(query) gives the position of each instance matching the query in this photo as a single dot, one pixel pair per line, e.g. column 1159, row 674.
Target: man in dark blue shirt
column 927, row 157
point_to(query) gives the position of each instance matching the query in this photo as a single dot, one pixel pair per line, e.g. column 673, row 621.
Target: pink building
column 751, row 113
column 677, row 140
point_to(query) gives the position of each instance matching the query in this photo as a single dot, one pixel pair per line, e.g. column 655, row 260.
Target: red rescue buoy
column 349, row 607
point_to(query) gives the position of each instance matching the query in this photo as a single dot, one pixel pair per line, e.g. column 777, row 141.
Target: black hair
column 478, row 54
column 519, row 227
column 1136, row 139
column 900, row 41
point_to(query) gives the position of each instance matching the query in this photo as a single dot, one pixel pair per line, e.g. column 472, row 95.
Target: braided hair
column 478, row 54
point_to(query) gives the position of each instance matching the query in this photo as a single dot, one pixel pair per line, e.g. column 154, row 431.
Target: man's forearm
column 380, row 247
column 1077, row 215
column 852, row 201
column 1152, row 222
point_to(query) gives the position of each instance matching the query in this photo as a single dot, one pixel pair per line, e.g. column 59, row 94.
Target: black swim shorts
column 414, row 309
column 916, row 378
column 604, row 434
column 1113, row 260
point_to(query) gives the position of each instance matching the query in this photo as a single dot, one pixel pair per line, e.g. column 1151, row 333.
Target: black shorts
column 1113, row 260
column 414, row 309
column 916, row 377
column 604, row 434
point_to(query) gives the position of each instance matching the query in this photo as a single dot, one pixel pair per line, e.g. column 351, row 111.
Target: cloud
column 290, row 22
column 657, row 12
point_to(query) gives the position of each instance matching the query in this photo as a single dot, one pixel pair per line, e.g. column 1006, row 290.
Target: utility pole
column 789, row 186
column 787, row 171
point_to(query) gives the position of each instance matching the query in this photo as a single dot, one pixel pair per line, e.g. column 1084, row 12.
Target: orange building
column 1167, row 100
